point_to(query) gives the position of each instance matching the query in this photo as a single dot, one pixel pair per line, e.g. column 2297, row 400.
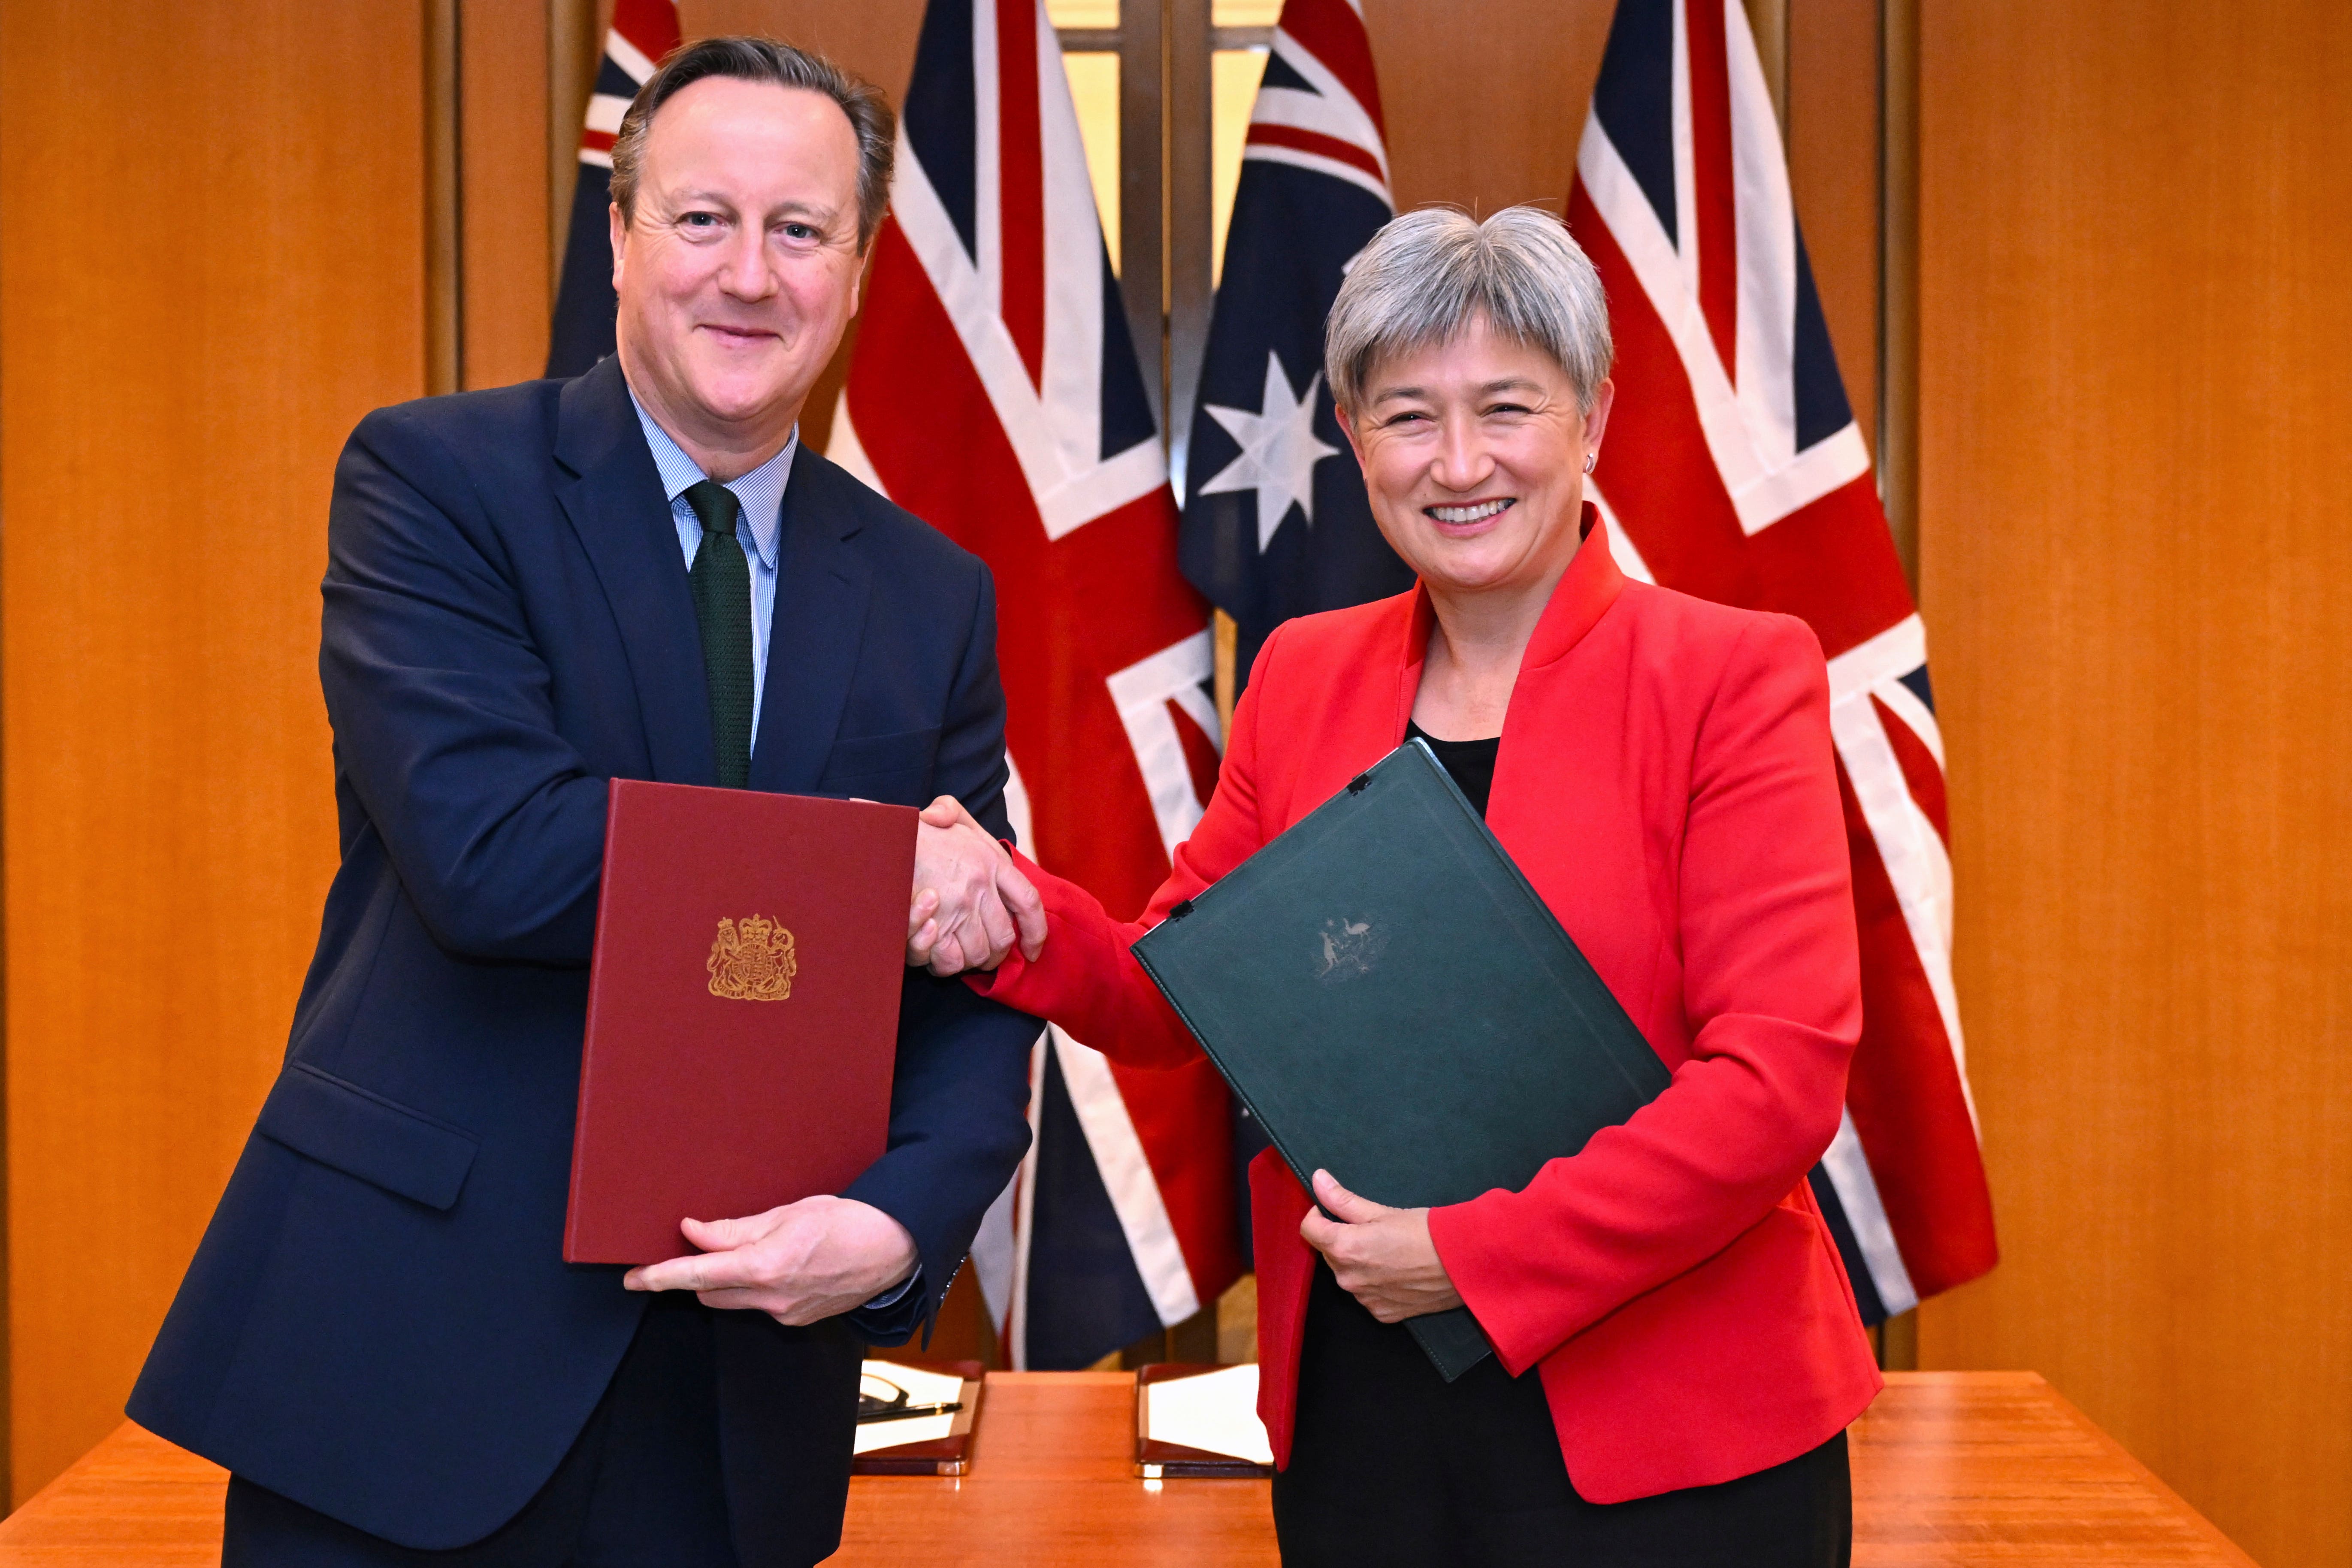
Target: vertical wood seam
column 1898, row 278
column 445, row 324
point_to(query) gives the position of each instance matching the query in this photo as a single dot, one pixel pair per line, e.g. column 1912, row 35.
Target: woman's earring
column 1590, row 458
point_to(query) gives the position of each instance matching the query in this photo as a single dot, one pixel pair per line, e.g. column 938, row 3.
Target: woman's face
column 1474, row 456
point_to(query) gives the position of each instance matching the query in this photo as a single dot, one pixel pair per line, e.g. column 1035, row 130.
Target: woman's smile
column 1462, row 519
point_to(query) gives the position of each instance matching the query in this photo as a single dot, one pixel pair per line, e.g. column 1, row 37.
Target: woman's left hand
column 1381, row 1257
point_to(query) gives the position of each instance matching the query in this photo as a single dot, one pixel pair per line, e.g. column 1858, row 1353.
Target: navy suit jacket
column 379, row 1322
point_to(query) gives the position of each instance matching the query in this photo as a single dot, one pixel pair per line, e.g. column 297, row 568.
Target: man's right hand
column 970, row 902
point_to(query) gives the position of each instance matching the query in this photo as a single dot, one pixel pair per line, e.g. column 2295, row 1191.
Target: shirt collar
column 760, row 492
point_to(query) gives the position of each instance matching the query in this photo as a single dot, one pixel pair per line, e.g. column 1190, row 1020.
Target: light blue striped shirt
column 760, row 495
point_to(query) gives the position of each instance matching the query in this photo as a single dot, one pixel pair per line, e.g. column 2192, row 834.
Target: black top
column 1472, row 762
column 1370, row 1406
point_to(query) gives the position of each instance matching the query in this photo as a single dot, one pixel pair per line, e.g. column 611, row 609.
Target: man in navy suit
column 637, row 573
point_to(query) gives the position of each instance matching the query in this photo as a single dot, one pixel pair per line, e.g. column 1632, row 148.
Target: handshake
column 970, row 903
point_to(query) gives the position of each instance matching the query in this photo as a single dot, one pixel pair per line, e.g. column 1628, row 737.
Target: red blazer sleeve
column 1084, row 979
column 1772, row 987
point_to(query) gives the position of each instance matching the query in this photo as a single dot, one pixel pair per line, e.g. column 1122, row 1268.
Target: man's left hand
column 1381, row 1257
column 816, row 1259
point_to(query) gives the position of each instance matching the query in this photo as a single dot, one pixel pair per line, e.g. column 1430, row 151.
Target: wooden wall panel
column 212, row 267
column 504, row 193
column 875, row 39
column 1485, row 100
column 2137, row 547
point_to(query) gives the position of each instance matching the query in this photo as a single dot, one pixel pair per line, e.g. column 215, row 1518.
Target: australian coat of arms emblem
column 1350, row 948
column 752, row 961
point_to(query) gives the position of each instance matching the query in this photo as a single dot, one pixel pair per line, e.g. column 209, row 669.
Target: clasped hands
column 970, row 905
column 970, row 902
column 825, row 1256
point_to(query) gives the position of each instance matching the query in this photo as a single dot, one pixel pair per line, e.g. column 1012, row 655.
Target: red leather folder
column 742, row 1010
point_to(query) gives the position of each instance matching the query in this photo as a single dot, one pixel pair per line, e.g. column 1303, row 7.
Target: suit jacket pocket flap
column 864, row 756
column 367, row 1136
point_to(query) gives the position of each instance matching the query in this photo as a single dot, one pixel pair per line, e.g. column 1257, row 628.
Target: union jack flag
column 995, row 393
column 643, row 32
column 1733, row 469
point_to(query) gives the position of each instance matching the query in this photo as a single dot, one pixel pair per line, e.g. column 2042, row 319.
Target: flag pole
column 1190, row 223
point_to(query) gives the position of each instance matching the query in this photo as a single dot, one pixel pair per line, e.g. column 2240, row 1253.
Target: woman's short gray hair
column 1427, row 275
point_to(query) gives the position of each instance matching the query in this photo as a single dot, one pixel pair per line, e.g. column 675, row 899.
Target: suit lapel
column 616, row 507
column 1527, row 780
column 822, row 593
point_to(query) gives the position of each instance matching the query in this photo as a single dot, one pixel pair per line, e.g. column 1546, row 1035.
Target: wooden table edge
column 2104, row 1440
column 127, row 1443
column 2155, row 1483
column 126, row 1439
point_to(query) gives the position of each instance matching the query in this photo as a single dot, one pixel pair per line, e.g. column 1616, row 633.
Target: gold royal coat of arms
column 753, row 961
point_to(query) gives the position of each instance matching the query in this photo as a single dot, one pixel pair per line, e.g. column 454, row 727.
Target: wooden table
column 1950, row 1469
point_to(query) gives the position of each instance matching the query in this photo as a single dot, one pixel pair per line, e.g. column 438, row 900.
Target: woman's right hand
column 1382, row 1256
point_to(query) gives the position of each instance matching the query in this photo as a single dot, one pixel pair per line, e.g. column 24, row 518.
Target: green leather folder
column 1390, row 997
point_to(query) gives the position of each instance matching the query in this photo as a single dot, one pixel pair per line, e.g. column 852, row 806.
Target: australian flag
column 1276, row 522
column 642, row 32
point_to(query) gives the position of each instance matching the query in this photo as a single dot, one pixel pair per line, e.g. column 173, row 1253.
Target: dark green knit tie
column 721, row 581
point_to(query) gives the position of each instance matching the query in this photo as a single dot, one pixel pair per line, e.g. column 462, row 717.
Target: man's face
column 739, row 270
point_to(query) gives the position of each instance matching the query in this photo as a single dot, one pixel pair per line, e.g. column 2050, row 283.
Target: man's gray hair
column 764, row 59
column 1427, row 275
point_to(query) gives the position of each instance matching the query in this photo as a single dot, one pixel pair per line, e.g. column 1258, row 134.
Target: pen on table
column 903, row 1411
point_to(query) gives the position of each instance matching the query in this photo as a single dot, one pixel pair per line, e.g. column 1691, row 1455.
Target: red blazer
column 1665, row 780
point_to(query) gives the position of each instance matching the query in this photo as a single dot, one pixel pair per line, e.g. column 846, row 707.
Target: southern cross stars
column 1279, row 451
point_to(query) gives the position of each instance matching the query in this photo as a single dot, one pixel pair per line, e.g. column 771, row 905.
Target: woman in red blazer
column 1660, row 767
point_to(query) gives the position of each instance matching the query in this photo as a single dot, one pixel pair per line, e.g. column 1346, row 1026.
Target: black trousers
column 723, row 1442
column 1392, row 1465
